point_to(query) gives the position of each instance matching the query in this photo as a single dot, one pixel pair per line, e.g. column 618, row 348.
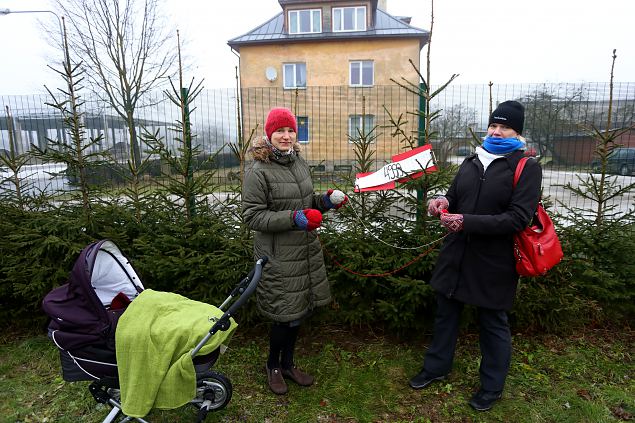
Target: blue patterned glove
column 307, row 219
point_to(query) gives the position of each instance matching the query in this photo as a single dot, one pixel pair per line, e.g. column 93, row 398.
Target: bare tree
column 623, row 114
column 454, row 124
column 126, row 53
column 551, row 113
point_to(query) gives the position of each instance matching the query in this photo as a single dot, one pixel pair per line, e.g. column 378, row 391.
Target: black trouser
column 282, row 337
column 495, row 342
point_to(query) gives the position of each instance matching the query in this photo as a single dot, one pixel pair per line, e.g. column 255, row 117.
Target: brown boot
column 276, row 381
column 298, row 376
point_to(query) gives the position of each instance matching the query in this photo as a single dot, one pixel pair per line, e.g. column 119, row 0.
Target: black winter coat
column 476, row 265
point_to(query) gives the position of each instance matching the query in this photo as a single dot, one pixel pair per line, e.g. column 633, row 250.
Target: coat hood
column 261, row 151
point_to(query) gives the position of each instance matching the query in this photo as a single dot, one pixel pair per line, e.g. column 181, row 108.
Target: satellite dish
column 271, row 73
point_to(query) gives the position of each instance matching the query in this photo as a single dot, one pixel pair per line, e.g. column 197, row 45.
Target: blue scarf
column 502, row 145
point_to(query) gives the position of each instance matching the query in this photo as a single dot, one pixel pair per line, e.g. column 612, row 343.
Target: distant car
column 620, row 161
column 531, row 152
column 464, row 150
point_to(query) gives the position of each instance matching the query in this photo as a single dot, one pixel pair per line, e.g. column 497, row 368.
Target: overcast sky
column 504, row 41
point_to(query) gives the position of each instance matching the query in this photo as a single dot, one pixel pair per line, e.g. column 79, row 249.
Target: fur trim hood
column 261, row 151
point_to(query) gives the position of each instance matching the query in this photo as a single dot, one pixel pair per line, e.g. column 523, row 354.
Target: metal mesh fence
column 558, row 125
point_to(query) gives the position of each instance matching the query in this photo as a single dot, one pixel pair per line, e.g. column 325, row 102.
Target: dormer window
column 349, row 19
column 305, row 21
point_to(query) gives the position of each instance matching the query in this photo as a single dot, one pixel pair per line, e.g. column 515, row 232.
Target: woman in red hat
column 279, row 204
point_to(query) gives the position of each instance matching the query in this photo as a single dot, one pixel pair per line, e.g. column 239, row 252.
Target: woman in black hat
column 476, row 264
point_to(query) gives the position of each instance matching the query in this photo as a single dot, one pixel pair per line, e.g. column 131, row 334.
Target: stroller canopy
column 80, row 310
column 112, row 274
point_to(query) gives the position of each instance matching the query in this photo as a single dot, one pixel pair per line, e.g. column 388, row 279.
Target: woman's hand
column 452, row 222
column 437, row 205
column 334, row 198
column 307, row 219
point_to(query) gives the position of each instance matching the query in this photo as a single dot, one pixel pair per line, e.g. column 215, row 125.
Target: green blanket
column 154, row 338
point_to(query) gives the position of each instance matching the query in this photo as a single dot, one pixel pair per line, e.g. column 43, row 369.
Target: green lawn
column 361, row 377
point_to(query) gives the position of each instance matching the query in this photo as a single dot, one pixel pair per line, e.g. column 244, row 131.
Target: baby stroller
column 85, row 312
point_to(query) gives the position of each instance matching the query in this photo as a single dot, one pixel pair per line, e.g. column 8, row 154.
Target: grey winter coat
column 476, row 265
column 294, row 281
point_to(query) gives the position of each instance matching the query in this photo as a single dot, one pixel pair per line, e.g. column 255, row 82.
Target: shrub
column 398, row 298
column 602, row 266
column 38, row 250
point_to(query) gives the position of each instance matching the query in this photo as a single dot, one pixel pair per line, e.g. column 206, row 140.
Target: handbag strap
column 519, row 169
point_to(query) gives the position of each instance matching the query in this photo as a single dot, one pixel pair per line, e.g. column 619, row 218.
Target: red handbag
column 537, row 247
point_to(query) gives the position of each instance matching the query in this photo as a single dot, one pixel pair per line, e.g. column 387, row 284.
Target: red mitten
column 344, row 201
column 452, row 222
column 307, row 219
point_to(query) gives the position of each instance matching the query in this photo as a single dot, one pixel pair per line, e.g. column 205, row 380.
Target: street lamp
column 4, row 12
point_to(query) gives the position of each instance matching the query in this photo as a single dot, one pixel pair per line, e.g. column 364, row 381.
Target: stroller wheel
column 213, row 391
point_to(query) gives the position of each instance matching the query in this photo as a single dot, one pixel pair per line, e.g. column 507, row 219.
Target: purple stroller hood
column 80, row 309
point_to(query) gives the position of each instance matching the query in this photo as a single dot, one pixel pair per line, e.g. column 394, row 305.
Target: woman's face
column 498, row 130
column 283, row 138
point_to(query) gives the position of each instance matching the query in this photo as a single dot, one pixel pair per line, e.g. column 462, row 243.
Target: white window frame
column 293, row 84
column 315, row 21
column 352, row 132
column 357, row 26
column 360, row 72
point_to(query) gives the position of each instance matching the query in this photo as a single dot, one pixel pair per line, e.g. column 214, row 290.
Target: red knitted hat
column 279, row 117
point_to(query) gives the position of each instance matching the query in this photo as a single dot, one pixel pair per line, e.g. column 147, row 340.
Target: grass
column 361, row 377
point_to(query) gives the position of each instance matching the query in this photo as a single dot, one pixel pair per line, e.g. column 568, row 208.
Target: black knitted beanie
column 510, row 113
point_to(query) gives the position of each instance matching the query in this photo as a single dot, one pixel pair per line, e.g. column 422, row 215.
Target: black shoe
column 484, row 400
column 424, row 379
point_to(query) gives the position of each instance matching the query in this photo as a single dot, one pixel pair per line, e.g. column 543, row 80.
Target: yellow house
column 331, row 62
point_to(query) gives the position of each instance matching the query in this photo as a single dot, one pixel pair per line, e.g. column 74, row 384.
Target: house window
column 305, row 21
column 362, row 73
column 303, row 129
column 349, row 19
column 359, row 124
column 294, row 75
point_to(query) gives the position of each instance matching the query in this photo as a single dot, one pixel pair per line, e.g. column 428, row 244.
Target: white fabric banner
column 418, row 162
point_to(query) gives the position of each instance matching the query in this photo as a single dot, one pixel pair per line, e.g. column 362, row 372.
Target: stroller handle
column 243, row 284
column 245, row 288
column 252, row 282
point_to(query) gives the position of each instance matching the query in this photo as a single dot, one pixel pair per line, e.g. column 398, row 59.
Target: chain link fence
column 558, row 126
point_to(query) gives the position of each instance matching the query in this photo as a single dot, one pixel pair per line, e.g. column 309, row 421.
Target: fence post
column 421, row 141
